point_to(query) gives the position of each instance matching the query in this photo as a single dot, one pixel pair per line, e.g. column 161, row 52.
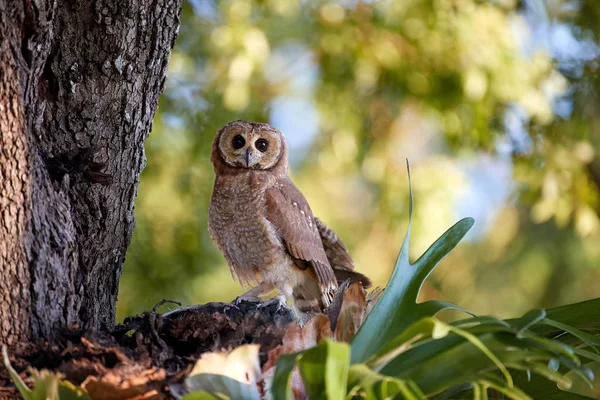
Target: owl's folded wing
column 338, row 256
column 289, row 212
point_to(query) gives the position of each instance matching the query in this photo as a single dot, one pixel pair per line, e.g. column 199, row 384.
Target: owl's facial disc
column 258, row 148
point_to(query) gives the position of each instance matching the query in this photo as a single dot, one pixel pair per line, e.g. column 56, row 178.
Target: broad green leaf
column 433, row 364
column 544, row 370
column 432, row 307
column 584, row 316
column 453, row 392
column 430, row 327
column 559, row 348
column 221, row 386
column 590, row 340
column 539, row 387
column 580, row 386
column 421, row 329
column 201, row 395
column 583, row 372
column 324, row 370
column 481, row 320
column 280, row 387
column 397, row 307
column 582, row 353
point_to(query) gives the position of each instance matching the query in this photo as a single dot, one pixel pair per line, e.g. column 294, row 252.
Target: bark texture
column 79, row 85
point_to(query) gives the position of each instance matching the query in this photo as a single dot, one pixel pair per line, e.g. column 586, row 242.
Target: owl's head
column 249, row 145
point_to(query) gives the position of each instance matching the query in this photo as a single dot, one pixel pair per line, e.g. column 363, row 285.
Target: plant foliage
column 402, row 351
column 46, row 385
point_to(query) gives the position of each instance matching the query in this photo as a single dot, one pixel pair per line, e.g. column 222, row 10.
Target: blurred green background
column 495, row 103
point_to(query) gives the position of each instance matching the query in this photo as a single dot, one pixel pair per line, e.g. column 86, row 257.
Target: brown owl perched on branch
column 264, row 226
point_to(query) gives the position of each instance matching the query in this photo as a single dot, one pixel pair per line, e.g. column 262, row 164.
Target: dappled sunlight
column 494, row 104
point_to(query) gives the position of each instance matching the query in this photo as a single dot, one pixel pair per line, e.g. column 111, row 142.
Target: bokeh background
column 495, row 103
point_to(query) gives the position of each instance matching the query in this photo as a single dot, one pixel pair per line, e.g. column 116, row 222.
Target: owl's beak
column 252, row 157
column 248, row 154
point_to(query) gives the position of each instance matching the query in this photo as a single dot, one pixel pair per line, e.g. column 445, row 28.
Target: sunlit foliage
column 494, row 102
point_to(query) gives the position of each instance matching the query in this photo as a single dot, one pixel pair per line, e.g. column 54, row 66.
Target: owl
column 264, row 226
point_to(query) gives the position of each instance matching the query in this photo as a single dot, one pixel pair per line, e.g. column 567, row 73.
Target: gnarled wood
column 79, row 85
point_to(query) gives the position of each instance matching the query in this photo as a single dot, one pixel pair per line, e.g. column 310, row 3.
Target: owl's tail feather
column 343, row 275
column 311, row 305
column 307, row 298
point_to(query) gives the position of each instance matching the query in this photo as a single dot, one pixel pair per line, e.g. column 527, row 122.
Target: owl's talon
column 246, row 299
column 279, row 300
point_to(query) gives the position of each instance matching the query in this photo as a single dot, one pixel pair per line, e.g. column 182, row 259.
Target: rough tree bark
column 79, row 85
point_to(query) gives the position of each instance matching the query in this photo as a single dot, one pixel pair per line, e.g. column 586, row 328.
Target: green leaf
column 68, row 391
column 541, row 388
column 432, row 307
column 280, row 388
column 47, row 385
column 500, row 386
column 581, row 386
column 221, row 386
column 200, row 395
column 590, row 340
column 584, row 316
column 528, row 320
column 17, row 381
column 542, row 369
column 587, row 354
column 324, row 370
column 481, row 320
column 371, row 385
column 397, row 308
column 433, row 365
column 419, row 330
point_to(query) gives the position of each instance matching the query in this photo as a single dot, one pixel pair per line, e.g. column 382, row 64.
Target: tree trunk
column 79, row 85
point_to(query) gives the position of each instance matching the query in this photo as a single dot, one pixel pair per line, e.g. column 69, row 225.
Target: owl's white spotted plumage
column 263, row 224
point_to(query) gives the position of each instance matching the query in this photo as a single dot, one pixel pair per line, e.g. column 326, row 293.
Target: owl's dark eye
column 238, row 142
column 262, row 145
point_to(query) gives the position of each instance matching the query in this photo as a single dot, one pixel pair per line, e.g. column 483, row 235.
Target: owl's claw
column 279, row 300
column 245, row 298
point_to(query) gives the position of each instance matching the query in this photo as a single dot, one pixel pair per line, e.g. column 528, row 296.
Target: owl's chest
column 236, row 210
column 238, row 224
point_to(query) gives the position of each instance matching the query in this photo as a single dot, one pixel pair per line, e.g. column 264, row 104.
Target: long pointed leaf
column 437, row 252
column 590, row 340
column 397, row 307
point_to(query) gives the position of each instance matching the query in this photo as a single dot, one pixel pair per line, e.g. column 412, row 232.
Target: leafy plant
column 386, row 345
column 402, row 351
column 46, row 385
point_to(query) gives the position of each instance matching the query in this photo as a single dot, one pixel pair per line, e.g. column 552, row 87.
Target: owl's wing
column 289, row 212
column 336, row 251
column 337, row 254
